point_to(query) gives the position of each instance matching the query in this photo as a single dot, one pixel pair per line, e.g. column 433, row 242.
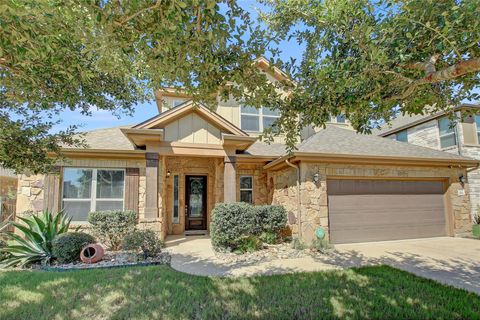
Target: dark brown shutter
column 52, row 190
column 131, row 188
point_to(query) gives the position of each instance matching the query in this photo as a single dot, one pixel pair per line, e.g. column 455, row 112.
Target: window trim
column 245, row 189
column 259, row 115
column 440, row 135
column 175, row 220
column 93, row 195
column 477, row 128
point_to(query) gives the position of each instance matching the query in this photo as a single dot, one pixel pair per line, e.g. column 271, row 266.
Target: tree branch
column 452, row 72
column 136, row 14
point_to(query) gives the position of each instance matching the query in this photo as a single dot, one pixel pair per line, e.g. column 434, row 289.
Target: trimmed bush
column 67, row 246
column 270, row 218
column 145, row 241
column 231, row 222
column 234, row 225
column 111, row 227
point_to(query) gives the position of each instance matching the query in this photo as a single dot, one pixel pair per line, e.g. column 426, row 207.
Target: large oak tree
column 111, row 55
column 372, row 58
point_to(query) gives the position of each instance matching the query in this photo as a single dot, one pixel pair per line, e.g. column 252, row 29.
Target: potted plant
column 476, row 226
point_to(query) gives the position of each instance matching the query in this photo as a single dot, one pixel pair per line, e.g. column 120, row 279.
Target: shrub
column 231, row 223
column 111, row 227
column 145, row 241
column 38, row 231
column 270, row 218
column 476, row 219
column 67, row 246
column 248, row 244
column 297, row 244
column 3, row 255
column 269, row 237
column 321, row 245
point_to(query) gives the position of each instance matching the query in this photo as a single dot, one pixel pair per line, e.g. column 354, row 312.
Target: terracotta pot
column 92, row 253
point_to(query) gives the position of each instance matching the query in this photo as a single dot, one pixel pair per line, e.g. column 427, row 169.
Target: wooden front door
column 195, row 203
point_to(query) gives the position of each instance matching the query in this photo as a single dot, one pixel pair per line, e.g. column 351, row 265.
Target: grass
column 160, row 292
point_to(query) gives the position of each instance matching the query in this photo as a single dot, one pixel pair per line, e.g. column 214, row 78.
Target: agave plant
column 35, row 246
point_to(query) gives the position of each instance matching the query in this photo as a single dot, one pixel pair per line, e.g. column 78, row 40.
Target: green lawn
column 161, row 292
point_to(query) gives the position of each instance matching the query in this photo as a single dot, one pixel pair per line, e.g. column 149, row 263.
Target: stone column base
column 154, row 224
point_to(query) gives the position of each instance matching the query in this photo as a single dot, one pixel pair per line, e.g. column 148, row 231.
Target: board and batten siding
column 192, row 129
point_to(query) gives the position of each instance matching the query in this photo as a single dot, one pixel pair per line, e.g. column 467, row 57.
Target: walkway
column 453, row 261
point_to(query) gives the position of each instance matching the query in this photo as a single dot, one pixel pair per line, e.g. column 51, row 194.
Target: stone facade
column 314, row 196
column 427, row 135
column 30, row 193
column 259, row 175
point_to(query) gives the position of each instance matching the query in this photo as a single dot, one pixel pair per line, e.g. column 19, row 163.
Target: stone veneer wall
column 314, row 196
column 182, row 166
column 260, row 190
column 30, row 192
column 473, row 177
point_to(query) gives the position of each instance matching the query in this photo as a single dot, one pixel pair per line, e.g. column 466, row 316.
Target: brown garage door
column 377, row 210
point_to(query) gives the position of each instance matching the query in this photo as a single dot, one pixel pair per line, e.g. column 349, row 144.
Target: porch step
column 195, row 232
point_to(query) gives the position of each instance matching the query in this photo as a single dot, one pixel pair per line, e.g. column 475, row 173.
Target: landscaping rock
column 269, row 253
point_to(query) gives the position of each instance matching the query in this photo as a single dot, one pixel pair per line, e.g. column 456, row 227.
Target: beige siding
column 192, row 129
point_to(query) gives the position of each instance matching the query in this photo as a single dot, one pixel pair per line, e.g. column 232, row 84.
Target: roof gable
column 187, row 108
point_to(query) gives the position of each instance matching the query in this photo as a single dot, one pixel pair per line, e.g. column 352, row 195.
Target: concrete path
column 453, row 261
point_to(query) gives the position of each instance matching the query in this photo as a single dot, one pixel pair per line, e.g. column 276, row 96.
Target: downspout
column 299, row 200
column 457, row 136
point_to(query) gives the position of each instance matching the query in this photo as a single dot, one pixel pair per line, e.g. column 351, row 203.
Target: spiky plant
column 35, row 244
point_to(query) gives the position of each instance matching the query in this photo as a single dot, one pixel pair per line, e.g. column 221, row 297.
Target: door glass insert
column 196, row 197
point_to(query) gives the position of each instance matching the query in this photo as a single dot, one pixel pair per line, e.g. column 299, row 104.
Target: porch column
column 151, row 186
column 230, row 179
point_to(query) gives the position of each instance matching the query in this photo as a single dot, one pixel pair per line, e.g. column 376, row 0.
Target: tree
column 371, row 58
column 69, row 54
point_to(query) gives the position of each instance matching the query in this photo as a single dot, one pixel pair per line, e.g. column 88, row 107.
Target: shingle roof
column 106, row 139
column 335, row 140
column 260, row 148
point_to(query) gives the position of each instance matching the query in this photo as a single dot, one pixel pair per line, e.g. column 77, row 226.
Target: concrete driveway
column 453, row 261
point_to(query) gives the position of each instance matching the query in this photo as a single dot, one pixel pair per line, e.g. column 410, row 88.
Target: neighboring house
column 174, row 168
column 8, row 191
column 457, row 135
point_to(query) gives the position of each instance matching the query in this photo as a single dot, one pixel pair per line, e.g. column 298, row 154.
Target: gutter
column 299, row 199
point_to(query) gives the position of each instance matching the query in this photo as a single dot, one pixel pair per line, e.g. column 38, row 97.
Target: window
column 341, row 118
column 253, row 119
column 87, row 190
column 477, row 122
column 176, row 103
column 446, row 128
column 246, row 189
column 175, row 200
column 402, row 136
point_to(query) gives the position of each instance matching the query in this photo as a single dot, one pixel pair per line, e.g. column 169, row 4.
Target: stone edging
column 126, row 265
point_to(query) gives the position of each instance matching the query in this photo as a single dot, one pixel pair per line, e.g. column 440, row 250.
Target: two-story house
column 457, row 134
column 174, row 167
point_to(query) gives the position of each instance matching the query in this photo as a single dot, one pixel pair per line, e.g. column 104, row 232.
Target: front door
column 195, row 203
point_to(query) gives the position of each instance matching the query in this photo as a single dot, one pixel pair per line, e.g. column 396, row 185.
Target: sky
column 105, row 119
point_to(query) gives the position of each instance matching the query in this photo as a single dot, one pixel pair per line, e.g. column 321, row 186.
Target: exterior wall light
column 316, row 177
column 461, row 179
column 168, row 174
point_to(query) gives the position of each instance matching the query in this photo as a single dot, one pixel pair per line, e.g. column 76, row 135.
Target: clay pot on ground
column 92, row 253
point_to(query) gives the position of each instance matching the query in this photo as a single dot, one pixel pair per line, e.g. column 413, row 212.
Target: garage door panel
column 374, row 217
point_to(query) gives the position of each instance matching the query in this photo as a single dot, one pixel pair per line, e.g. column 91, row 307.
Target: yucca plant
column 35, row 246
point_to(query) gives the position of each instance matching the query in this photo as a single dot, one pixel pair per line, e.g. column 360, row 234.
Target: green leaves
column 35, row 244
column 76, row 55
column 359, row 56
